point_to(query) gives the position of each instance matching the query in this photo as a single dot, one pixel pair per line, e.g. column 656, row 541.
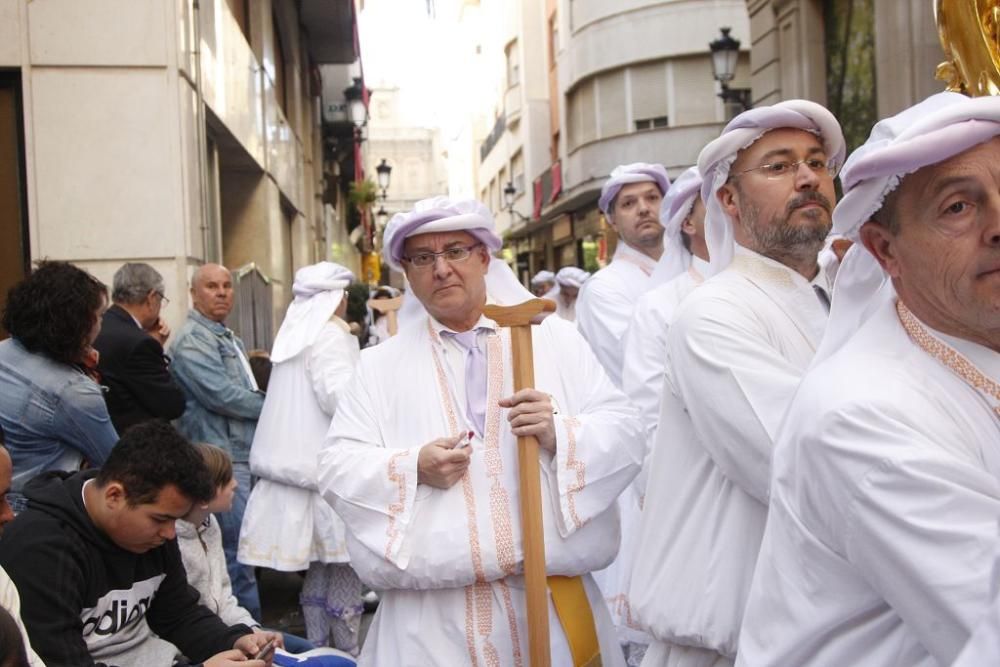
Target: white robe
column 883, row 517
column 449, row 561
column 646, row 343
column 737, row 349
column 287, row 524
column 604, row 307
column 983, row 648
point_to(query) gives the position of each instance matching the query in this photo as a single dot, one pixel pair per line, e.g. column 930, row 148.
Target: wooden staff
column 519, row 318
column 388, row 307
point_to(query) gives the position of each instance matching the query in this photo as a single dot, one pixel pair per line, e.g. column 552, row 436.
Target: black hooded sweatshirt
column 79, row 589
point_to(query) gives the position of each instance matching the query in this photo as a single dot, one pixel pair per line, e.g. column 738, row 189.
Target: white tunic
column 646, row 343
column 883, row 518
column 604, row 307
column 449, row 561
column 738, row 347
column 287, row 524
column 983, row 648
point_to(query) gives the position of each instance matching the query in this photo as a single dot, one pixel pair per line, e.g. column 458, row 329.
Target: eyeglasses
column 451, row 255
column 785, row 168
column 163, row 299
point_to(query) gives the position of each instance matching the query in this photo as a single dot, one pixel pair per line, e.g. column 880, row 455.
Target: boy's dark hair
column 52, row 310
column 152, row 455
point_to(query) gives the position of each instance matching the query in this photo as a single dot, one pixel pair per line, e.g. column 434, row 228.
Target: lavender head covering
column 442, row 214
column 718, row 156
column 932, row 131
column 543, row 277
column 637, row 172
column 571, row 276
column 674, row 210
column 438, row 214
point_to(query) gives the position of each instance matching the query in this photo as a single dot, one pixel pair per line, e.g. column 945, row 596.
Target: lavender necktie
column 475, row 378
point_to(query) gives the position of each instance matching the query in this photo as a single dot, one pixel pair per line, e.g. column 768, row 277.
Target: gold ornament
column 968, row 30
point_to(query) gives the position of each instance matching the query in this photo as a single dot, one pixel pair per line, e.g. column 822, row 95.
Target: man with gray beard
column 736, row 350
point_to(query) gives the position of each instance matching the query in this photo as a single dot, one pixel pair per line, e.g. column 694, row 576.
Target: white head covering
column 674, row 210
column 571, row 276
column 318, row 290
column 637, row 172
column 718, row 156
column 543, row 277
column 442, row 214
column 929, row 132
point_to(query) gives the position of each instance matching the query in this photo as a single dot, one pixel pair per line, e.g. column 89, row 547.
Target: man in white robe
column 883, row 516
column 683, row 266
column 542, row 283
column 433, row 522
column 287, row 525
column 643, row 376
column 569, row 281
column 630, row 200
column 737, row 348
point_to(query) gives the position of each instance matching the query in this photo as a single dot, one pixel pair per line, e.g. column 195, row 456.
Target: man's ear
column 688, row 227
column 114, row 495
column 881, row 243
column 729, row 199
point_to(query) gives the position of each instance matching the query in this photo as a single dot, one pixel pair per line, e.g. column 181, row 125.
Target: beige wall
column 111, row 133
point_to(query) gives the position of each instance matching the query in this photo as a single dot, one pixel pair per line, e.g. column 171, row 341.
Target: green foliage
column 362, row 193
column 850, row 71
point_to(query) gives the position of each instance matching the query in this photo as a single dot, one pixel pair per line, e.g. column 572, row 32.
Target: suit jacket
column 134, row 368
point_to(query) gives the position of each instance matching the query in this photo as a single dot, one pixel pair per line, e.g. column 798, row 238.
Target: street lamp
column 381, row 217
column 725, row 53
column 383, row 170
column 357, row 113
column 509, row 192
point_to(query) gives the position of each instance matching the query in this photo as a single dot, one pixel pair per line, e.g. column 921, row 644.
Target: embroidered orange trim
column 947, row 355
column 575, row 465
column 619, row 604
column 396, row 508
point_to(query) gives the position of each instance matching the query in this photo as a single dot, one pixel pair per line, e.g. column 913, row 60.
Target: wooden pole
column 389, row 308
column 519, row 318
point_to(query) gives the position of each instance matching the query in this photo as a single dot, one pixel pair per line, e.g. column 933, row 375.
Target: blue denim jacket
column 53, row 416
column 222, row 406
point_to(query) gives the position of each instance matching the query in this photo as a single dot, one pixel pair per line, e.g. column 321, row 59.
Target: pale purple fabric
column 438, row 214
column 475, row 377
column 637, row 172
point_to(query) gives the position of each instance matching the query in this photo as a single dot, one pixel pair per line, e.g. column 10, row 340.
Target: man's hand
column 160, row 331
column 232, row 658
column 250, row 644
column 440, row 465
column 531, row 414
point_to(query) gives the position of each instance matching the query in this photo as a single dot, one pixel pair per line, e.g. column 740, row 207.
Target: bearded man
column 737, row 348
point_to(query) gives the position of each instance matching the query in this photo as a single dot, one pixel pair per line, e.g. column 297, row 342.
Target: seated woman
column 52, row 408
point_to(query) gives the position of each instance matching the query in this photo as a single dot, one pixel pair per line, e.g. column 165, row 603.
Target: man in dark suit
column 132, row 363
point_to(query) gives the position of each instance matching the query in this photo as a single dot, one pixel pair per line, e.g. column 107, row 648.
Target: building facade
column 172, row 132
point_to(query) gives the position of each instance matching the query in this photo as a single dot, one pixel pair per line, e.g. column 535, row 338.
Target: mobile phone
column 265, row 652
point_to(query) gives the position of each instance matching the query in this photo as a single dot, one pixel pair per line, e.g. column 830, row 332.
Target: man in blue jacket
column 223, row 403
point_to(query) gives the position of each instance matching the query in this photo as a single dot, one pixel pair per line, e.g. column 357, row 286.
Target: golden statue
column 969, row 36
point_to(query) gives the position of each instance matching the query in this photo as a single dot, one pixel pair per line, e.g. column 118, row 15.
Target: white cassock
column 642, row 382
column 983, row 647
column 737, row 348
column 883, row 520
column 604, row 307
column 287, row 523
column 449, row 562
column 646, row 343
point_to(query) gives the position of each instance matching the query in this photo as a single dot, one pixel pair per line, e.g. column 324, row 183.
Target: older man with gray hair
column 132, row 363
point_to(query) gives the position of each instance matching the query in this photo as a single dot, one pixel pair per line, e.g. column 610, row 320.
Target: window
column 517, row 173
column 513, row 64
column 651, row 123
column 611, row 97
column 649, row 92
column 553, row 39
column 581, row 115
column 280, row 88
